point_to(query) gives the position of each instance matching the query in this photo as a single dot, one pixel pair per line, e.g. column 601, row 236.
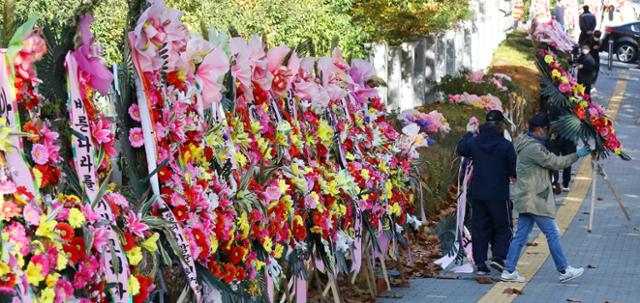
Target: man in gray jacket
column 533, row 198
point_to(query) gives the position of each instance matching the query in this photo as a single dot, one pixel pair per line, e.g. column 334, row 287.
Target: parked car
column 626, row 41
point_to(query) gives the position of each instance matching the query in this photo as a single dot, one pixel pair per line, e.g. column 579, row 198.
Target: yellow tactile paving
column 535, row 256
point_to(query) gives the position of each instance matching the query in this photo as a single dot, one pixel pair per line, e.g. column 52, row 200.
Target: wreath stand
column 598, row 169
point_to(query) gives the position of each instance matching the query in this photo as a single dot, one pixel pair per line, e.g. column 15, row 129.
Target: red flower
column 236, row 254
column 201, row 241
column 129, row 241
column 146, row 287
column 50, row 175
column 164, row 174
column 29, row 127
column 8, row 281
column 181, row 213
column 66, row 231
column 75, row 249
column 299, row 231
column 229, row 273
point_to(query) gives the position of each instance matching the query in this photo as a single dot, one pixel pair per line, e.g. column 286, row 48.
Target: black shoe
column 497, row 264
column 482, row 270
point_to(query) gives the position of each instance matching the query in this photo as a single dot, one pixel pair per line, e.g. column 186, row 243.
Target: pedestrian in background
column 534, row 200
column 494, row 164
column 588, row 24
column 596, row 46
column 558, row 13
column 586, row 68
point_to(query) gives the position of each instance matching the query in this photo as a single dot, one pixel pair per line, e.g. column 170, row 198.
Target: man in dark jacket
column 596, row 45
column 494, row 166
column 586, row 68
column 588, row 24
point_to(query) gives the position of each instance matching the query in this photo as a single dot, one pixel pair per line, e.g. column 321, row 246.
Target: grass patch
column 515, row 57
column 442, row 170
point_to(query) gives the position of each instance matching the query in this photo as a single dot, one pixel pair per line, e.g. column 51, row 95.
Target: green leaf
column 15, row 44
column 102, row 190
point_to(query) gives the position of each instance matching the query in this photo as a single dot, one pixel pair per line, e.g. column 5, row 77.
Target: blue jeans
column 549, row 228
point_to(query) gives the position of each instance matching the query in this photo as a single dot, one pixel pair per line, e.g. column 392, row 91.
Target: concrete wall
column 410, row 67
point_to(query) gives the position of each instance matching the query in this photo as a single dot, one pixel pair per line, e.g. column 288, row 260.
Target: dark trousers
column 562, row 147
column 491, row 224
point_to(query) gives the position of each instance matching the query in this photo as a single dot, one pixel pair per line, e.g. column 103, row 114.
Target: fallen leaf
column 533, row 253
column 532, row 244
column 512, row 291
column 599, row 199
column 591, row 266
column 572, row 299
column 483, row 280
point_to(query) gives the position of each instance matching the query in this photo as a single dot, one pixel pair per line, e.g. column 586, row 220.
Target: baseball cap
column 539, row 120
column 494, row 116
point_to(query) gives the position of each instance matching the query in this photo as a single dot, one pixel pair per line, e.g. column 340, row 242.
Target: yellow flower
column 548, row 59
column 240, row 159
column 4, row 269
column 325, row 132
column 47, row 295
column 578, row 89
column 259, row 264
column 62, row 261
column 388, row 188
column 151, row 243
column 278, row 252
column 555, row 74
column 243, row 225
column 283, row 186
column 214, row 244
column 46, row 228
column 256, row 127
column 34, row 274
column 134, row 285
column 365, row 174
column 267, row 244
column 395, row 209
column 135, row 256
column 76, row 218
column 37, row 175
column 5, row 136
column 52, row 279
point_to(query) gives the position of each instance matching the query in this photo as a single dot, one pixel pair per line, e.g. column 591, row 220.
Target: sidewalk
column 610, row 254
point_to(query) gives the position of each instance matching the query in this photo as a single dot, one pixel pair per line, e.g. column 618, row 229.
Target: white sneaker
column 571, row 273
column 511, row 277
column 566, row 189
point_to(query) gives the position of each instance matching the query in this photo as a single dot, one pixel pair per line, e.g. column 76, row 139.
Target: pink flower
column 99, row 237
column 476, row 77
column 214, row 66
column 18, row 236
column 565, row 88
column 63, row 290
column 117, row 199
column 40, row 154
column 89, row 214
column 43, row 261
column 310, row 202
column 272, row 193
column 135, row 225
column 136, row 137
column 7, row 187
column 134, row 112
column 100, row 131
column 31, row 213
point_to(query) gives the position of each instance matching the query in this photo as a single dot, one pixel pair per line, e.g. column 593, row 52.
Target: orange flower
column 9, row 210
column 29, row 127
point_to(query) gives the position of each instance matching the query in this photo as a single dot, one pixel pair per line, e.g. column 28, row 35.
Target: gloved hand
column 583, row 151
column 472, row 126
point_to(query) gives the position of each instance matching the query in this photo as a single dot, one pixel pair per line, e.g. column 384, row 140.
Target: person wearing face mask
column 494, row 167
column 596, row 46
column 533, row 198
column 586, row 68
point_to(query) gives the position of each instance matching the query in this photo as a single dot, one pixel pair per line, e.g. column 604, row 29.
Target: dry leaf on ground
column 483, row 280
column 572, row 299
column 512, row 291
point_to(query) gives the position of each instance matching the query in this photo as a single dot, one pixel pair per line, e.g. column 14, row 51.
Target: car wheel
column 627, row 52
